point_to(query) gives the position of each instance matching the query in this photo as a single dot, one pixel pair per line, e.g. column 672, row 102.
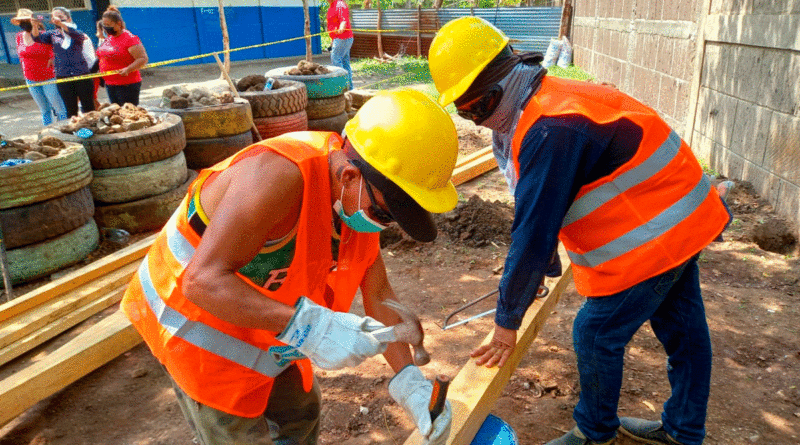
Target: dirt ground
column 752, row 301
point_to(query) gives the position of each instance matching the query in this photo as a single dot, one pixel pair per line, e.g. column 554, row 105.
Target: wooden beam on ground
column 472, row 156
column 474, row 167
column 77, row 278
column 23, row 324
column 90, row 350
column 49, row 331
column 475, row 389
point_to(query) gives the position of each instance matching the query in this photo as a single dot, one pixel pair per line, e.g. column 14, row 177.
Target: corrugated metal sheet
column 529, row 28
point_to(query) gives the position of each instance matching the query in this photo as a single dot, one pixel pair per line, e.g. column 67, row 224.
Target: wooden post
column 226, row 41
column 4, row 266
column 419, row 30
column 307, row 30
column 566, row 20
column 236, row 93
column 380, row 43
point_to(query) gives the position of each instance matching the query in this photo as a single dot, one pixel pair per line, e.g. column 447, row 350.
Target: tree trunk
column 380, row 43
column 438, row 4
column 566, row 19
column 226, row 41
column 307, row 30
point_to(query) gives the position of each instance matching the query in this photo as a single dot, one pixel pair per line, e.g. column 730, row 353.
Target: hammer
column 409, row 331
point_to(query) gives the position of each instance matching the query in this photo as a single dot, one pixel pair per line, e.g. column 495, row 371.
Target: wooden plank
column 41, row 335
column 475, row 389
column 23, row 324
column 77, row 278
column 90, row 350
column 697, row 75
column 472, row 156
column 474, row 168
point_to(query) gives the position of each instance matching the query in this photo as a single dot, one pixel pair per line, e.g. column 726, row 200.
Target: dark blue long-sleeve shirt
column 69, row 61
column 558, row 156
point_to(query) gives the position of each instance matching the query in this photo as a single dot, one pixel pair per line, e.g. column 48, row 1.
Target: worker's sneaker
column 575, row 437
column 646, row 431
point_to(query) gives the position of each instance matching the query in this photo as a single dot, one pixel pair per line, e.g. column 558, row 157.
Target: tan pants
column 291, row 417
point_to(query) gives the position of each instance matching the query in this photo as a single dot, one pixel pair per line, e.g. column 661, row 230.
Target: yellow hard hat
column 459, row 51
column 407, row 137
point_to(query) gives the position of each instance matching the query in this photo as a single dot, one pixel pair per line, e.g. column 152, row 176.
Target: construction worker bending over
column 251, row 280
column 598, row 170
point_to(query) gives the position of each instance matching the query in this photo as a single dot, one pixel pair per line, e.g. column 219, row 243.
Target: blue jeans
column 340, row 56
column 604, row 325
column 49, row 101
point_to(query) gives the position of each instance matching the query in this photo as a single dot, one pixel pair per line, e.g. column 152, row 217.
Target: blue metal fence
column 529, row 28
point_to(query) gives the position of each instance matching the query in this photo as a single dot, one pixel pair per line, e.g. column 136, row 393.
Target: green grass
column 412, row 70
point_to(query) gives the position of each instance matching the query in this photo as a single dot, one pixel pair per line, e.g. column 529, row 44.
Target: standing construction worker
column 251, row 279
column 602, row 172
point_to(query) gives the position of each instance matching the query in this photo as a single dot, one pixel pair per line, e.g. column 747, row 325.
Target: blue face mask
column 358, row 221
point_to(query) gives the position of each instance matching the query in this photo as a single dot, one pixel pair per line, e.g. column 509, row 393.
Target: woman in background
column 123, row 52
column 67, row 44
column 37, row 66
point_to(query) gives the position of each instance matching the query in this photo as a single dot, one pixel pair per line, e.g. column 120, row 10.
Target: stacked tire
column 215, row 132
column 46, row 212
column 139, row 177
column 279, row 110
column 326, row 101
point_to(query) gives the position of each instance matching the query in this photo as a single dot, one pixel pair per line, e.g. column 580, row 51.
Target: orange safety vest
column 650, row 215
column 222, row 365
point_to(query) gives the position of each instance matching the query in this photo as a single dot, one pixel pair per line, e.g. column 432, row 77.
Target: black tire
column 318, row 85
column 39, row 181
column 144, row 215
column 37, row 222
column 326, row 107
column 118, row 150
column 40, row 259
column 203, row 153
column 289, row 97
column 335, row 123
column 214, row 121
column 269, row 127
column 115, row 185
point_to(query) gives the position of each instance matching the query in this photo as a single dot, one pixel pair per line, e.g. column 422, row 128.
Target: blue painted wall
column 183, row 32
column 172, row 33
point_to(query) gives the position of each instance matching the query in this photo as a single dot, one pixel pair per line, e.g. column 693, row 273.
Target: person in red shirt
column 338, row 19
column 37, row 66
column 122, row 52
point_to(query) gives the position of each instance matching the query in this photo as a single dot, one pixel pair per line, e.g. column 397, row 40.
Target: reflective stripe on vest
column 647, row 232
column 596, row 198
column 206, row 337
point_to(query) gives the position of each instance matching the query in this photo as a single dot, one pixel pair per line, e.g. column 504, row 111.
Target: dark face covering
column 26, row 26
column 110, row 30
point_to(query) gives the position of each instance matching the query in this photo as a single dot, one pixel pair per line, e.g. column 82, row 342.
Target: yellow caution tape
column 169, row 62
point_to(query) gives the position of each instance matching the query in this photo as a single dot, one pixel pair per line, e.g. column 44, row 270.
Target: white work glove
column 332, row 340
column 413, row 392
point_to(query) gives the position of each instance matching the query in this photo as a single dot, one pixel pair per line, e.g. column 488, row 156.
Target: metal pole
column 4, row 265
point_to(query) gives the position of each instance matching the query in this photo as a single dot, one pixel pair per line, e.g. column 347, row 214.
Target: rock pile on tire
column 139, row 177
column 214, row 132
column 326, row 107
column 46, row 212
column 279, row 110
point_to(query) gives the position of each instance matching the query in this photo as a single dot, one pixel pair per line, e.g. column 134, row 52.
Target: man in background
column 339, row 28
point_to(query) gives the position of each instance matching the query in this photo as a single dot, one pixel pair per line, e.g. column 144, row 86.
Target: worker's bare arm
column 256, row 201
column 375, row 288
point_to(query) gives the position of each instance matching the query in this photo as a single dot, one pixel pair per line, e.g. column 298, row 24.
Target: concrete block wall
column 748, row 106
column 724, row 74
column 645, row 48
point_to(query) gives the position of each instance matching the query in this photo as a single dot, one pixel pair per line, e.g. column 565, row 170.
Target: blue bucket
column 495, row 431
